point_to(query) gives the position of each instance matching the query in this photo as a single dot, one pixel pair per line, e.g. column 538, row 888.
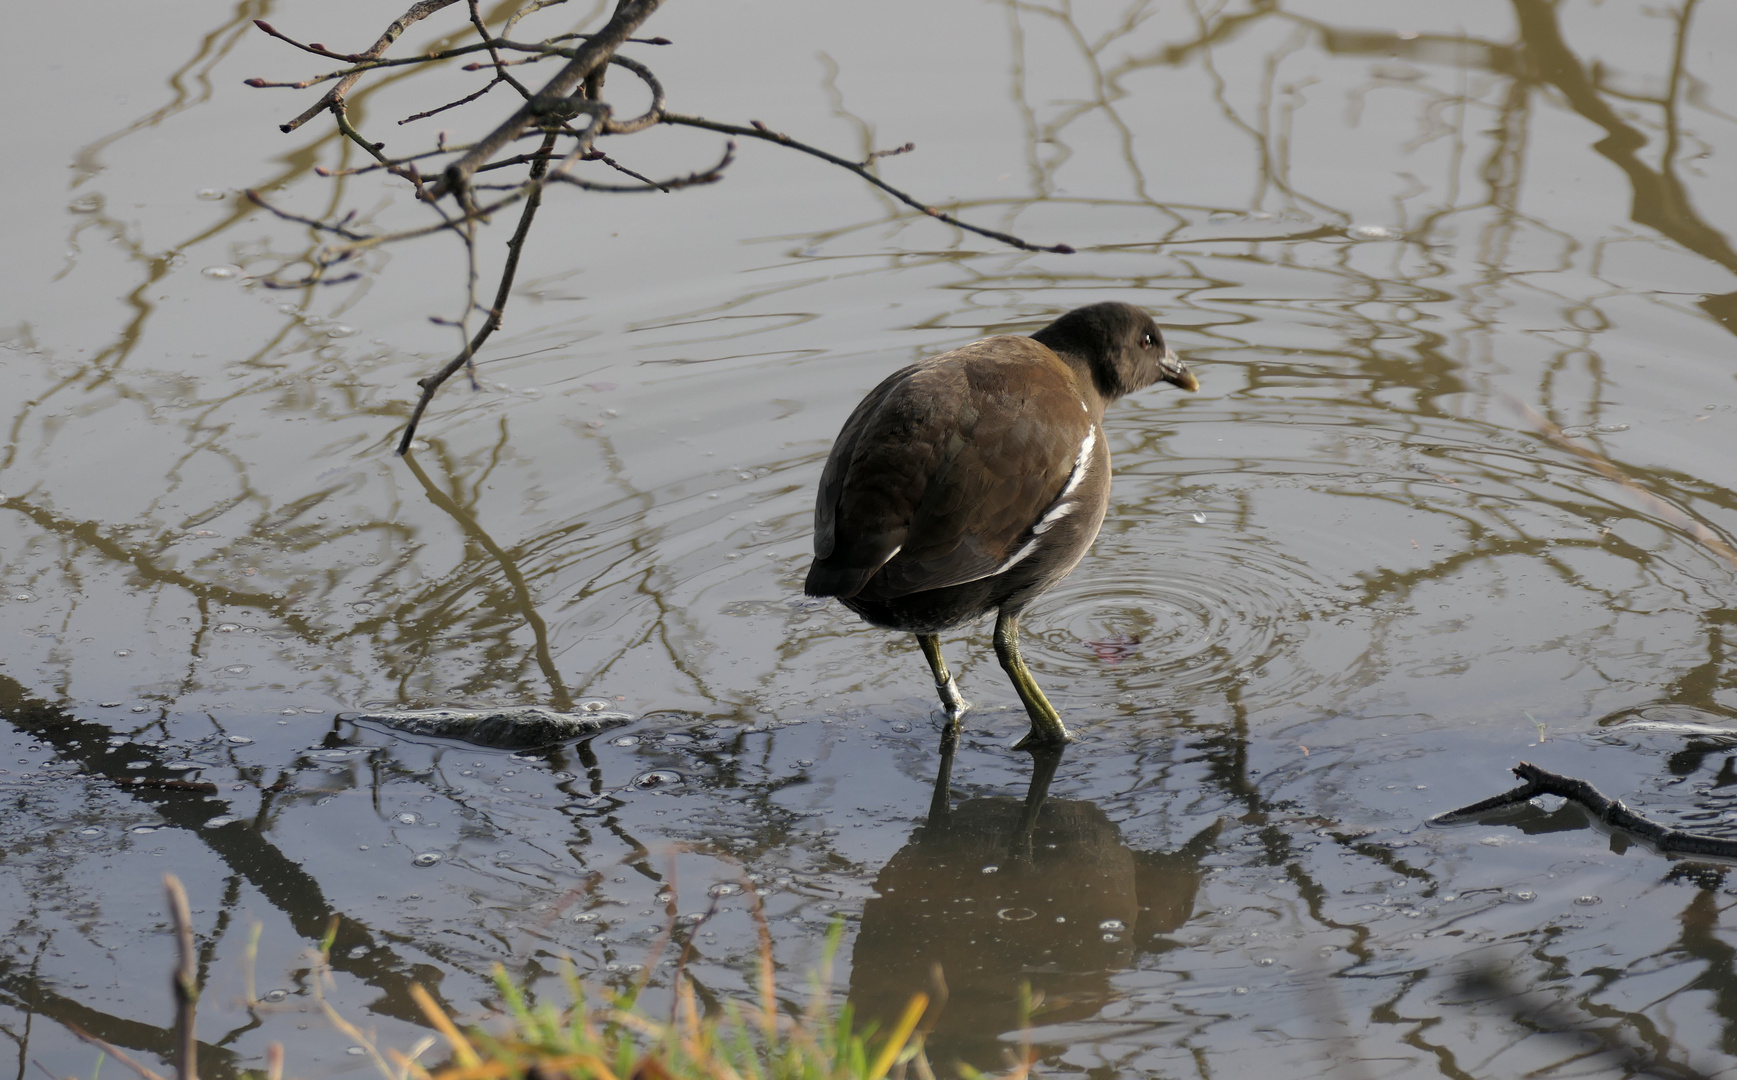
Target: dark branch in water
column 1609, row 812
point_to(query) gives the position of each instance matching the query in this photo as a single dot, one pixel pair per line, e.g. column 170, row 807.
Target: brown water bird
column 975, row 480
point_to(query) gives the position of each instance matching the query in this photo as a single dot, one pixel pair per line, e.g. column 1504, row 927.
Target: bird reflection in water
column 998, row 894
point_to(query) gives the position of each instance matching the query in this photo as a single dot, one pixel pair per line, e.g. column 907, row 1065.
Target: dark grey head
column 1121, row 346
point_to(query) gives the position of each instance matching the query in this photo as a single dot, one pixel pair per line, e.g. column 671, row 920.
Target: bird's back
column 945, row 467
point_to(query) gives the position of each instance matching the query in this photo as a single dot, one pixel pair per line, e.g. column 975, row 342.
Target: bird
column 975, row 480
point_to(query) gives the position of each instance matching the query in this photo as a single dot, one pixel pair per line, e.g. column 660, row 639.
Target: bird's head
column 1120, row 345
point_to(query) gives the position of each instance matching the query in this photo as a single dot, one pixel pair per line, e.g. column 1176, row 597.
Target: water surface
column 1343, row 588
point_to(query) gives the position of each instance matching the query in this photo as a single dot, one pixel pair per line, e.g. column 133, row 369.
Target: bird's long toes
column 1038, row 739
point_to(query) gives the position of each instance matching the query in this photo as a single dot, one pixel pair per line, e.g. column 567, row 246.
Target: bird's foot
column 952, row 702
column 1039, row 739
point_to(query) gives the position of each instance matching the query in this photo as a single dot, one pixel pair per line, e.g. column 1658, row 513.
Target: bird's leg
column 951, row 700
column 1047, row 728
column 1044, row 760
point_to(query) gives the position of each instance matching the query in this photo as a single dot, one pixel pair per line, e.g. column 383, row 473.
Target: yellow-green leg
column 951, row 700
column 1046, row 726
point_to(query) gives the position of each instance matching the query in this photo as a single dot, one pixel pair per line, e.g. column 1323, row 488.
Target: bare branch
column 709, row 176
column 420, row 10
column 515, row 247
column 466, row 100
column 550, row 100
column 316, row 48
column 1606, row 810
column 761, row 131
column 894, row 152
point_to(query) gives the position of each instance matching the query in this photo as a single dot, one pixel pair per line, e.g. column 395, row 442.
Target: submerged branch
column 1608, row 811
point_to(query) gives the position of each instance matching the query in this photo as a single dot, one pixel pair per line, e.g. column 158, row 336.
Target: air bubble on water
column 275, row 995
column 358, row 952
column 1112, row 926
column 1015, row 914
column 804, row 763
column 1265, row 961
column 86, row 204
column 427, row 858
column 991, row 868
column 1588, row 900
column 354, row 1051
column 228, row 627
column 1373, row 232
column 1525, row 896
column 238, row 669
column 340, row 330
column 1199, row 517
column 585, row 916
column 222, row 271
column 143, row 829
column 657, row 778
column 625, row 740
column 209, row 194
column 407, row 817
column 724, row 888
column 901, row 726
column 90, row 832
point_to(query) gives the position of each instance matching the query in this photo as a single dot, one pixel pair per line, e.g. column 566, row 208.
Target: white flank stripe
column 1061, row 510
column 1030, row 546
column 1081, row 460
column 1062, row 507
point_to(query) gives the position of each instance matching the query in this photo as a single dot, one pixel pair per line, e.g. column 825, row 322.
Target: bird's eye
column 1148, row 342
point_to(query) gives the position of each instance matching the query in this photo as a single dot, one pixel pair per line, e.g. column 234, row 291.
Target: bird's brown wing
column 943, row 469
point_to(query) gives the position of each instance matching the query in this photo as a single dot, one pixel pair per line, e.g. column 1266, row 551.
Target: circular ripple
column 1232, row 608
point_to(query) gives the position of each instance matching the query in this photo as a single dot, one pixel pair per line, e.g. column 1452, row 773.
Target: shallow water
column 1341, row 589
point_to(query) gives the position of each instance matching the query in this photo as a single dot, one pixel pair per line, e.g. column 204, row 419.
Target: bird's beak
column 1172, row 370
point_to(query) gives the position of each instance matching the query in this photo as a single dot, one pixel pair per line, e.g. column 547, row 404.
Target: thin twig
column 708, row 176
column 515, row 247
column 186, row 982
column 482, row 31
column 894, row 152
column 551, row 99
column 465, row 100
column 420, row 10
column 314, row 47
column 761, row 131
column 1608, row 811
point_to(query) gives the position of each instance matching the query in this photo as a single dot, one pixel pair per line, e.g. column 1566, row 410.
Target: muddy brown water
column 1343, row 588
